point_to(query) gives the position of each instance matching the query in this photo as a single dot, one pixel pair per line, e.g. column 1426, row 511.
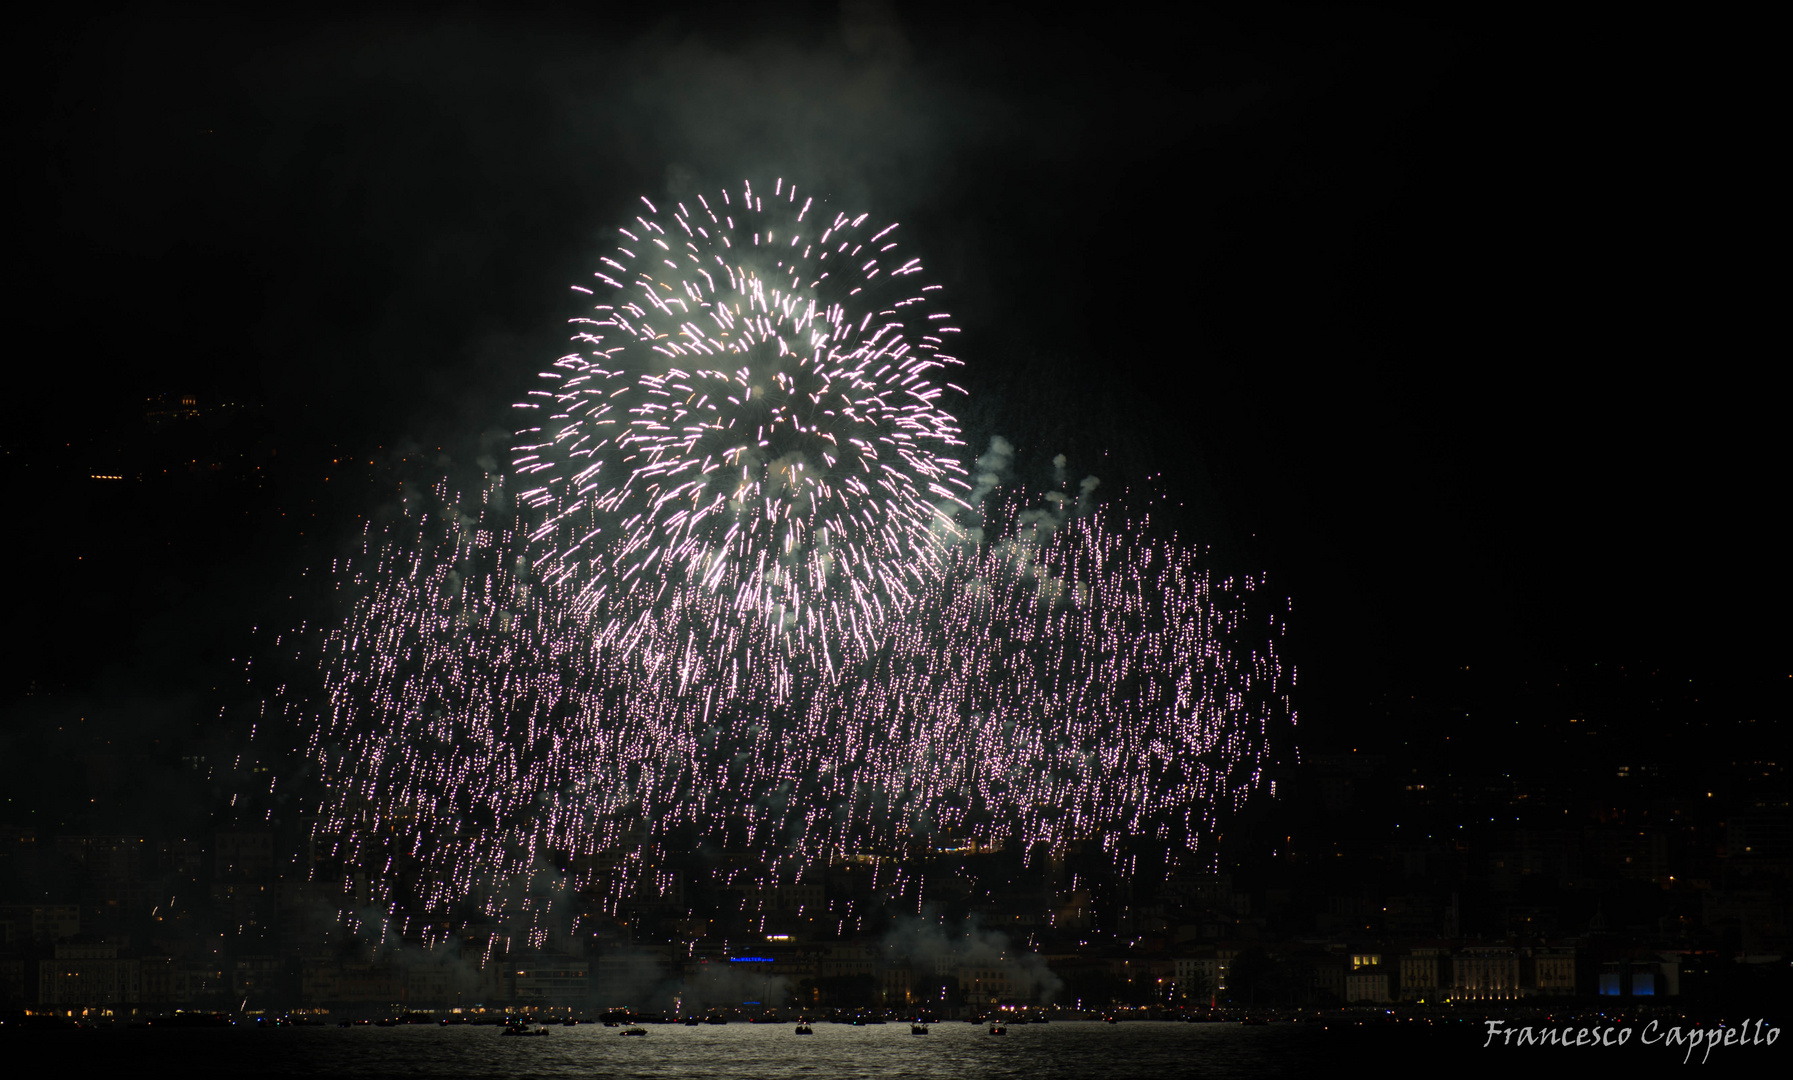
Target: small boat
column 1112, row 1019
column 805, row 1029
column 635, row 1031
column 523, row 1030
column 692, row 1021
column 569, row 1023
column 715, row 1018
column 918, row 1029
column 998, row 1029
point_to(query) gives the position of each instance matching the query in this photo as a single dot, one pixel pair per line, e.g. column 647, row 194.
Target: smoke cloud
column 931, row 945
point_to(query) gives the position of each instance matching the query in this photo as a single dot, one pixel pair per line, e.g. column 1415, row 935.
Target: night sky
column 1415, row 313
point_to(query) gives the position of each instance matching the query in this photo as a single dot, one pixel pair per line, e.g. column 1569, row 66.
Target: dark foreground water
column 951, row 1050
column 954, row 1051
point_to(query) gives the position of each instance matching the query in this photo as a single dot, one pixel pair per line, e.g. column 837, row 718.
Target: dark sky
column 1413, row 312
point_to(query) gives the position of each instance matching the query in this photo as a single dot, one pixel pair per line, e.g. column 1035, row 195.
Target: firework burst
column 1050, row 688
column 740, row 598
column 752, row 432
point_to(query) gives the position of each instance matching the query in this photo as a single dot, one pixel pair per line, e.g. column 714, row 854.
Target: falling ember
column 735, row 597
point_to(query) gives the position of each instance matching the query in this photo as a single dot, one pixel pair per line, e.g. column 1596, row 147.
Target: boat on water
column 804, row 1029
column 715, row 1018
column 998, row 1029
column 187, row 1019
column 634, row 1031
column 523, row 1031
column 918, row 1029
column 692, row 1021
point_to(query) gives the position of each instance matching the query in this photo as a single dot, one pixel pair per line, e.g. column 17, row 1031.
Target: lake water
column 1447, row 1045
column 951, row 1050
